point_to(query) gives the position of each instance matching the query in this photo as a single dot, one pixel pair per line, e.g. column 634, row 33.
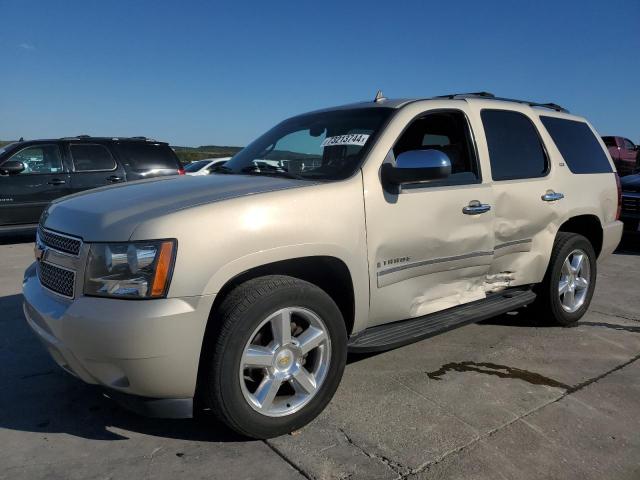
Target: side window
column 578, row 145
column 515, row 148
column 91, row 157
column 148, row 156
column 628, row 144
column 43, row 159
column 447, row 131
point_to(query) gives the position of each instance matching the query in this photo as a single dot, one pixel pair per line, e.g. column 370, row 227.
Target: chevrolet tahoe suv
column 352, row 229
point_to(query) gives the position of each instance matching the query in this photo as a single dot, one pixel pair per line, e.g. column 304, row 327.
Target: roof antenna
column 379, row 97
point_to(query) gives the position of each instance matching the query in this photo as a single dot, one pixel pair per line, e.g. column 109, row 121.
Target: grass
column 191, row 154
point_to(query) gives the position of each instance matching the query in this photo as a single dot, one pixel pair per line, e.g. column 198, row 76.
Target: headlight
column 130, row 270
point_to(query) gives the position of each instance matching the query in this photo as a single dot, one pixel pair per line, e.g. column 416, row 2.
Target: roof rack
column 140, row 137
column 75, row 136
column 491, row 96
column 84, row 137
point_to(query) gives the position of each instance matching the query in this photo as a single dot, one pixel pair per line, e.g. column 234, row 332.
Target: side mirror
column 12, row 167
column 417, row 166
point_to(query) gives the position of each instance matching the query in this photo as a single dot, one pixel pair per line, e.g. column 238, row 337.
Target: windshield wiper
column 273, row 171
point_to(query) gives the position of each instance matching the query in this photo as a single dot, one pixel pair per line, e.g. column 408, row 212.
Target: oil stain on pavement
column 501, row 371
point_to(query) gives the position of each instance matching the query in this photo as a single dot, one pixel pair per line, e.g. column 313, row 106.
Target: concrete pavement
column 507, row 398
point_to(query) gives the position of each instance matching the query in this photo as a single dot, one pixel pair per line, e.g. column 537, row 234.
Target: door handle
column 114, row 179
column 552, row 196
column 56, row 181
column 476, row 208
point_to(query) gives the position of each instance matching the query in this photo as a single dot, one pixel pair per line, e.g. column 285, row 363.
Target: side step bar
column 403, row 332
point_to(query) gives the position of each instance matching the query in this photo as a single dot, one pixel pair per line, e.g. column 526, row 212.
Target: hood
column 630, row 183
column 112, row 213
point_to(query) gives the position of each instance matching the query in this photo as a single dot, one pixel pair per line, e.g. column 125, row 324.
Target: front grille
column 631, row 205
column 59, row 242
column 56, row 279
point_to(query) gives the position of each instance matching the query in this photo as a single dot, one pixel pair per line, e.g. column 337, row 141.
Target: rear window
column 578, row 145
column 610, row 141
column 148, row 156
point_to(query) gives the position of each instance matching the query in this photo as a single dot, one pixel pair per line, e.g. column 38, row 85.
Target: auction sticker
column 353, row 139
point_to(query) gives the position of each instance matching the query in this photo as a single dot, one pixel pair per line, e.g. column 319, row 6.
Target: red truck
column 623, row 153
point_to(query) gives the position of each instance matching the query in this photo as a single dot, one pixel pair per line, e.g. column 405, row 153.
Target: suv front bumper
column 143, row 348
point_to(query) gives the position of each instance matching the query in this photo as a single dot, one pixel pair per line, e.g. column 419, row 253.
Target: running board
column 403, row 332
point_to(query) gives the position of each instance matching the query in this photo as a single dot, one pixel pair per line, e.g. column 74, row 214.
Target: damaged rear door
column 528, row 196
column 430, row 245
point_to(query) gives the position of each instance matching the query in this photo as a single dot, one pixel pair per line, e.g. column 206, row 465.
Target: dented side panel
column 526, row 224
column 424, row 254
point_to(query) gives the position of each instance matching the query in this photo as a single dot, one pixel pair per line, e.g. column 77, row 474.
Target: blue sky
column 195, row 73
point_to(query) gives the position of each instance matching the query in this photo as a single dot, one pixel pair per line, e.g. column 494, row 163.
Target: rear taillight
column 181, row 171
column 619, row 196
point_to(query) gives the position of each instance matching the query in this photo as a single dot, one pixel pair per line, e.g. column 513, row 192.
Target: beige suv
column 358, row 228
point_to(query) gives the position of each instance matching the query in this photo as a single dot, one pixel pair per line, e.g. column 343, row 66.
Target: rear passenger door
column 528, row 197
column 93, row 166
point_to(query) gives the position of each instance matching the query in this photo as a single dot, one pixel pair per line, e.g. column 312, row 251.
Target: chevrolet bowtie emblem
column 284, row 360
column 38, row 252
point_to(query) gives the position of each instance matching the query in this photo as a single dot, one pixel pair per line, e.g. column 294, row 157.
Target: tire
column 235, row 390
column 554, row 306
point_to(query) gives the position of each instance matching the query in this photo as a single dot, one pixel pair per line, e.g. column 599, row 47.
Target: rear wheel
column 278, row 356
column 566, row 291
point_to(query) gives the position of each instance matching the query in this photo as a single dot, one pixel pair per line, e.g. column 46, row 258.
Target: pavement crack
column 151, row 457
column 395, row 467
column 586, row 383
column 434, row 402
column 291, row 463
column 431, row 463
column 568, row 391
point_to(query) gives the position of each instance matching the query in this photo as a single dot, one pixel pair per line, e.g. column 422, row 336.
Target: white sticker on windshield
column 353, row 139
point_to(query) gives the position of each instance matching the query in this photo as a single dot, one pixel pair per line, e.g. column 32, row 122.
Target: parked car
column 205, row 166
column 35, row 172
column 630, row 213
column 624, row 154
column 245, row 289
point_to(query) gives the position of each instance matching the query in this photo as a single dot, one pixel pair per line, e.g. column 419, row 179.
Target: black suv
column 32, row 173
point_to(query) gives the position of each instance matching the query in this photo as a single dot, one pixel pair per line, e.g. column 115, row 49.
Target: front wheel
column 566, row 291
column 278, row 357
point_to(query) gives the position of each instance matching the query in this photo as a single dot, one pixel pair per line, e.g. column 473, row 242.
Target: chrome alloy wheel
column 574, row 280
column 285, row 362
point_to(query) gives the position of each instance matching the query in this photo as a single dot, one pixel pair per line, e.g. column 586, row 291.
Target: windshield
column 317, row 146
column 195, row 166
